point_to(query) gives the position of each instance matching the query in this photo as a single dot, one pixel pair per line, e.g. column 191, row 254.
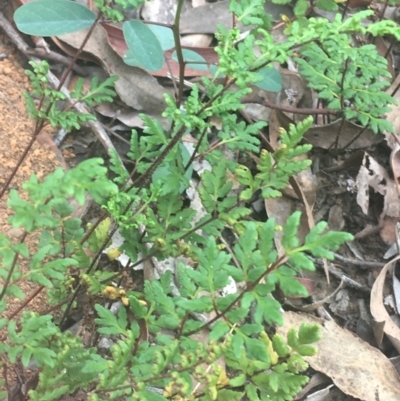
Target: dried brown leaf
column 378, row 309
column 354, row 366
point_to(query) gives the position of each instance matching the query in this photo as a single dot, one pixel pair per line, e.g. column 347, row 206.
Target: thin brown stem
column 338, row 134
column 355, row 138
column 178, row 49
column 196, row 149
column 26, row 302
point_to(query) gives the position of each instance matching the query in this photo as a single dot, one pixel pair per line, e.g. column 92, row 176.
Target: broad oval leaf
column 144, row 48
column 192, row 59
column 164, row 35
column 52, row 18
column 272, row 79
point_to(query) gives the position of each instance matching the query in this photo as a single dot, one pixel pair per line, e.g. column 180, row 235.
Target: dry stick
column 362, row 263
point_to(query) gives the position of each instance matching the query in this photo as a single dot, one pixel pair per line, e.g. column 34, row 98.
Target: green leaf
column 290, row 239
column 288, row 283
column 3, row 322
column 238, row 380
column 108, row 322
column 267, row 309
column 192, row 60
column 144, row 48
column 326, row 5
column 271, row 79
column 53, row 18
column 44, row 357
column 147, row 395
column 237, row 345
column 229, row 395
column 218, row 330
column 256, row 349
column 170, row 173
column 164, row 35
column 251, row 328
column 14, row 352
column 306, row 350
column 292, row 338
column 296, row 364
column 15, row 291
column 202, row 304
column 301, row 262
column 251, row 392
column 267, row 234
column 280, row 346
column 300, row 8
column 139, row 311
column 309, row 333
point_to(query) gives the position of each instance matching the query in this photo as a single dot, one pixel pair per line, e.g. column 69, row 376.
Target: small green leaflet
column 192, row 59
column 144, row 49
column 53, row 18
column 272, row 79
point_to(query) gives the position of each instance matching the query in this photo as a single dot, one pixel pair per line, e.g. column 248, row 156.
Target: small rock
column 336, row 221
column 16, row 233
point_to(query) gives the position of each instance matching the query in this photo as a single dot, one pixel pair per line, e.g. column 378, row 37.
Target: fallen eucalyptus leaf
column 354, row 366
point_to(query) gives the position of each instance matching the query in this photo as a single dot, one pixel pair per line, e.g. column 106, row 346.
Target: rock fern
column 155, row 351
